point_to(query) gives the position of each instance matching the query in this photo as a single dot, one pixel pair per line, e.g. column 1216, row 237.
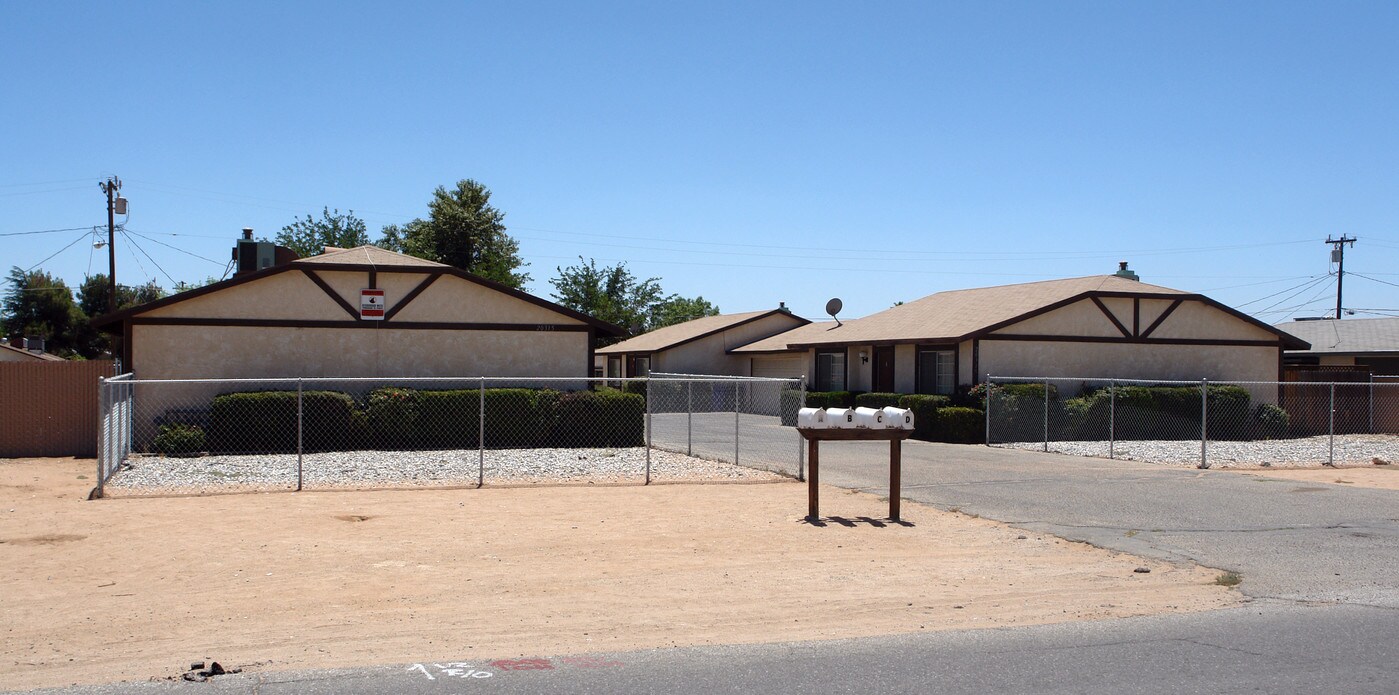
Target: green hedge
column 1151, row 412
column 830, row 399
column 790, row 403
column 925, row 411
column 960, row 425
column 602, row 418
column 877, row 400
column 180, row 440
column 265, row 422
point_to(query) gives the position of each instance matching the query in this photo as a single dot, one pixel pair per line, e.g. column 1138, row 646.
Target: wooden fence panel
column 50, row 408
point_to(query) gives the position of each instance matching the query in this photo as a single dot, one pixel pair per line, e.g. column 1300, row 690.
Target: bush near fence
column 1164, row 412
column 406, row 418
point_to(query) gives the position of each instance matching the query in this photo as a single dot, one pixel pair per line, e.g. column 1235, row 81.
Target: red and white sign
column 371, row 305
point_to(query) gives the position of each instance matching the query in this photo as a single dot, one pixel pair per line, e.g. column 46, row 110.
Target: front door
column 884, row 369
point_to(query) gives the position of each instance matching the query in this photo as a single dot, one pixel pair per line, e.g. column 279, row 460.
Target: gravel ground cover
column 1307, row 452
column 367, row 469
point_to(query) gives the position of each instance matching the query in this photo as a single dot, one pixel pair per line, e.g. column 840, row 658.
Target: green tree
column 676, row 309
column 310, row 236
column 611, row 294
column 41, row 305
column 92, row 302
column 462, row 230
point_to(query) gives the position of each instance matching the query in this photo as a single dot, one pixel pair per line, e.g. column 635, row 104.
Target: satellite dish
column 833, row 307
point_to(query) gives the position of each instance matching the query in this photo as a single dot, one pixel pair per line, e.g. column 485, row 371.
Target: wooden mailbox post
column 813, row 439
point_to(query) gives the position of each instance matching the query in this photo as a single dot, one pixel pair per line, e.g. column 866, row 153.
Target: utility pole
column 1338, row 254
column 110, row 187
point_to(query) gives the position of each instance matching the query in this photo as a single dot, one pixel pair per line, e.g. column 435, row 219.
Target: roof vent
column 1123, row 272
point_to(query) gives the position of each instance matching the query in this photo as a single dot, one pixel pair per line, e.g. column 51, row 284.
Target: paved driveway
column 1290, row 541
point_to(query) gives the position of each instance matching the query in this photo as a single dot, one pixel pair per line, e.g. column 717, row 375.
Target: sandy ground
column 134, row 589
column 1382, row 477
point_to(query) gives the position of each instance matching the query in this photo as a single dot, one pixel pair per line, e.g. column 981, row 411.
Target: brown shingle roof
column 811, row 332
column 671, row 336
column 366, row 256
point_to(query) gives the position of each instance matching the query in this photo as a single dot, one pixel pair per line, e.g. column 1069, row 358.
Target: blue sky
column 748, row 152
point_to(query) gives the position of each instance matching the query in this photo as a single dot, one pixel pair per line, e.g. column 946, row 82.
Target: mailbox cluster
column 889, row 418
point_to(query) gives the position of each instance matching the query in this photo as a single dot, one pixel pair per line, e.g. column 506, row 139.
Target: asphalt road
column 1321, row 563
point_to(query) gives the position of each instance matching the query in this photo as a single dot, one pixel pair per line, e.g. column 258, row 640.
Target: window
column 614, row 367
column 937, row 371
column 830, row 371
column 641, row 367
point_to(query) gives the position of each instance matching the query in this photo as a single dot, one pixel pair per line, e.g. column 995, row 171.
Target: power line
column 43, row 183
column 46, row 231
column 131, row 241
column 1314, row 279
column 1367, row 277
column 55, row 253
column 168, row 246
column 46, row 190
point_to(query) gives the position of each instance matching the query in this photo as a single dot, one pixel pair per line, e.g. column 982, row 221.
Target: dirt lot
column 133, row 589
column 1382, row 477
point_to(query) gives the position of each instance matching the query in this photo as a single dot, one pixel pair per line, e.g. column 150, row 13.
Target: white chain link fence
column 1204, row 423
column 185, row 436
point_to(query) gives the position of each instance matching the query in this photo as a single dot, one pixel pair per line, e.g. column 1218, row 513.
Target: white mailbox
column 898, row 418
column 840, row 418
column 870, row 418
column 812, row 418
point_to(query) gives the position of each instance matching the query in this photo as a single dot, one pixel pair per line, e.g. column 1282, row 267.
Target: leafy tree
column 310, row 236
column 92, row 302
column 462, row 230
column 676, row 309
column 41, row 305
column 612, row 294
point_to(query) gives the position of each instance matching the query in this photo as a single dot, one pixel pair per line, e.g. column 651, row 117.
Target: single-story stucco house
column 1104, row 326
column 358, row 312
column 1370, row 345
column 699, row 346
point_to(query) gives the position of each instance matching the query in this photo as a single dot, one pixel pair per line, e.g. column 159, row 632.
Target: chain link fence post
column 801, row 450
column 1046, row 415
column 737, row 387
column 689, row 419
column 988, row 409
column 648, row 429
column 102, row 431
column 1204, row 423
column 1331, row 429
column 1112, row 419
column 481, row 436
column 299, row 445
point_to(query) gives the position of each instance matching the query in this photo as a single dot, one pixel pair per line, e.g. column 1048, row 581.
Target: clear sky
column 749, row 152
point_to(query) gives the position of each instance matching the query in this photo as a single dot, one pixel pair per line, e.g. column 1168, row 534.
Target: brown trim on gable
column 592, row 353
column 126, row 350
column 365, row 325
column 373, row 280
column 1108, row 313
column 1159, row 319
column 976, row 361
column 330, row 292
column 1132, row 341
column 412, row 294
column 1137, row 316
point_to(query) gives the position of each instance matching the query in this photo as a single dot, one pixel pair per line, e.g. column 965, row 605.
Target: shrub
column 602, row 418
column 1018, row 410
column 179, row 440
column 513, row 418
column 877, row 400
column 925, row 413
column 830, row 399
column 448, row 419
column 960, row 425
column 1270, row 421
column 391, row 415
column 265, row 421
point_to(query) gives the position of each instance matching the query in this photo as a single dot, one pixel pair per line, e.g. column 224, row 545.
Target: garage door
column 779, row 367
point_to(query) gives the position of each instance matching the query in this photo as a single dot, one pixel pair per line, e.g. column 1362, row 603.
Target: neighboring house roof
column 366, row 255
column 689, row 331
column 44, row 356
column 1346, row 336
column 963, row 314
column 360, row 259
column 811, row 332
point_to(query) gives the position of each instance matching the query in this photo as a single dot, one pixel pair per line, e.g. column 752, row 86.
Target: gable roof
column 964, row 314
column 357, row 259
column 811, row 332
column 689, row 331
column 1346, row 336
column 43, row 356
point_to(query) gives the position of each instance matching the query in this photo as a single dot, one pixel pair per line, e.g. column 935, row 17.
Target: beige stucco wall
column 789, row 366
column 964, row 364
column 709, row 355
column 1129, row 361
column 454, row 299
column 1079, row 318
column 288, row 295
column 1200, row 320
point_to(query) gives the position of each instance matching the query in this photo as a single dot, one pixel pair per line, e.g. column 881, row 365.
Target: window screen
column 830, row 371
column 937, row 371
